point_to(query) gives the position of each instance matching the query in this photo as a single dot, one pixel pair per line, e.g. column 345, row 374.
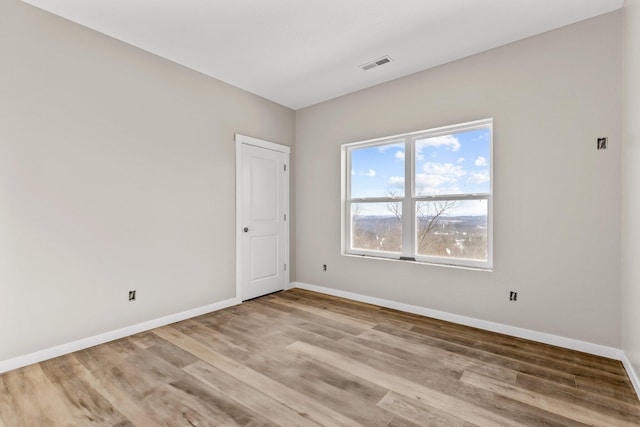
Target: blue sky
column 449, row 164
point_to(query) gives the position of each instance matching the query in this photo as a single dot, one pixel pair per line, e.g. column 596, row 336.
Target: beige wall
column 116, row 173
column 631, row 185
column 557, row 199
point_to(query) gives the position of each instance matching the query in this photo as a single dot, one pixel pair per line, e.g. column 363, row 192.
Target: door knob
column 246, row 229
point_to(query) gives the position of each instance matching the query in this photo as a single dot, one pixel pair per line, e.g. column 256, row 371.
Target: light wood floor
column 299, row 358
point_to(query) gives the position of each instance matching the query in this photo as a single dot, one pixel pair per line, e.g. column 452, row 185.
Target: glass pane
column 378, row 171
column 376, row 226
column 454, row 164
column 452, row 229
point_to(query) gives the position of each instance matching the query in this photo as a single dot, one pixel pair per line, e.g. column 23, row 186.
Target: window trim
column 409, row 199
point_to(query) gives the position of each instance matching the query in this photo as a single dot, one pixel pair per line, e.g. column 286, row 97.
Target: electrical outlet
column 324, row 267
column 132, row 295
column 513, row 296
column 602, row 143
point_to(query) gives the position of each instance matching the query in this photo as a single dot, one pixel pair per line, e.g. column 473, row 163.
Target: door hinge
column 285, row 267
column 285, row 217
column 285, row 167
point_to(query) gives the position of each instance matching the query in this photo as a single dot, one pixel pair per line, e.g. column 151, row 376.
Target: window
column 423, row 196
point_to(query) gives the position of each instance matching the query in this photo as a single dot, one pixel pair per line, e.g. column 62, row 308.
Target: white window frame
column 410, row 199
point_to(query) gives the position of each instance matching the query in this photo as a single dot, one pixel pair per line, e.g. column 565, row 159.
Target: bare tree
column 428, row 215
column 395, row 207
column 371, row 234
column 356, row 210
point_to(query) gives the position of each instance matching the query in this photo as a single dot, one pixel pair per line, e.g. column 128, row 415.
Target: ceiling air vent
column 378, row 62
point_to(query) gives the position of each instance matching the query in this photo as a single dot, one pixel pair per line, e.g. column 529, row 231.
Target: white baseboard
column 586, row 347
column 50, row 353
column 633, row 375
column 291, row 285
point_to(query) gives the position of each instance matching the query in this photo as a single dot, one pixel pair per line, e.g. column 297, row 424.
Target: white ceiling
column 301, row 52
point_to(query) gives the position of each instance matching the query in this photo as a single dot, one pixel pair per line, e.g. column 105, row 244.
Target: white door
column 263, row 224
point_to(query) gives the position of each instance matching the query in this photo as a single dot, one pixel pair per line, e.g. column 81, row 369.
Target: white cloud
column 437, row 175
column 460, row 159
column 427, row 184
column 383, row 148
column 479, row 177
column 448, row 141
column 396, row 181
column 444, row 169
column 425, row 180
column 370, row 173
column 481, row 161
column 400, row 155
column 353, row 172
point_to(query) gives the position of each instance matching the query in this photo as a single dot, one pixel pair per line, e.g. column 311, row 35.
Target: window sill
column 433, row 264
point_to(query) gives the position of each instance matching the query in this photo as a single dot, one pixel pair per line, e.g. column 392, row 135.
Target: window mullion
column 407, row 203
column 346, row 202
column 348, row 227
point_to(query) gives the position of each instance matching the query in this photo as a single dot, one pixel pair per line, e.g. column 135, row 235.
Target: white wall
column 631, row 185
column 116, row 173
column 557, row 199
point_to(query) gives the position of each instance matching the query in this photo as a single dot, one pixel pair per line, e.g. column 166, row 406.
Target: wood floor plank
column 581, row 397
column 538, row 357
column 604, row 380
column 143, row 339
column 446, row 381
column 181, row 393
column 570, row 410
column 398, row 421
column 606, row 389
column 418, row 412
column 323, row 312
column 496, row 342
column 170, row 353
column 183, row 409
column 324, row 384
column 219, row 409
column 272, row 409
column 355, row 309
column 335, row 321
column 37, row 401
column 482, row 356
column 118, row 385
column 267, row 355
column 207, row 332
column 432, row 356
column 301, row 403
column 89, row 406
column 547, row 352
column 8, row 405
column 401, row 385
column 315, row 297
column 340, row 391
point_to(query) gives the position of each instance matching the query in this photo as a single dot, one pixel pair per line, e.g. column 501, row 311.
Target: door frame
column 241, row 140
